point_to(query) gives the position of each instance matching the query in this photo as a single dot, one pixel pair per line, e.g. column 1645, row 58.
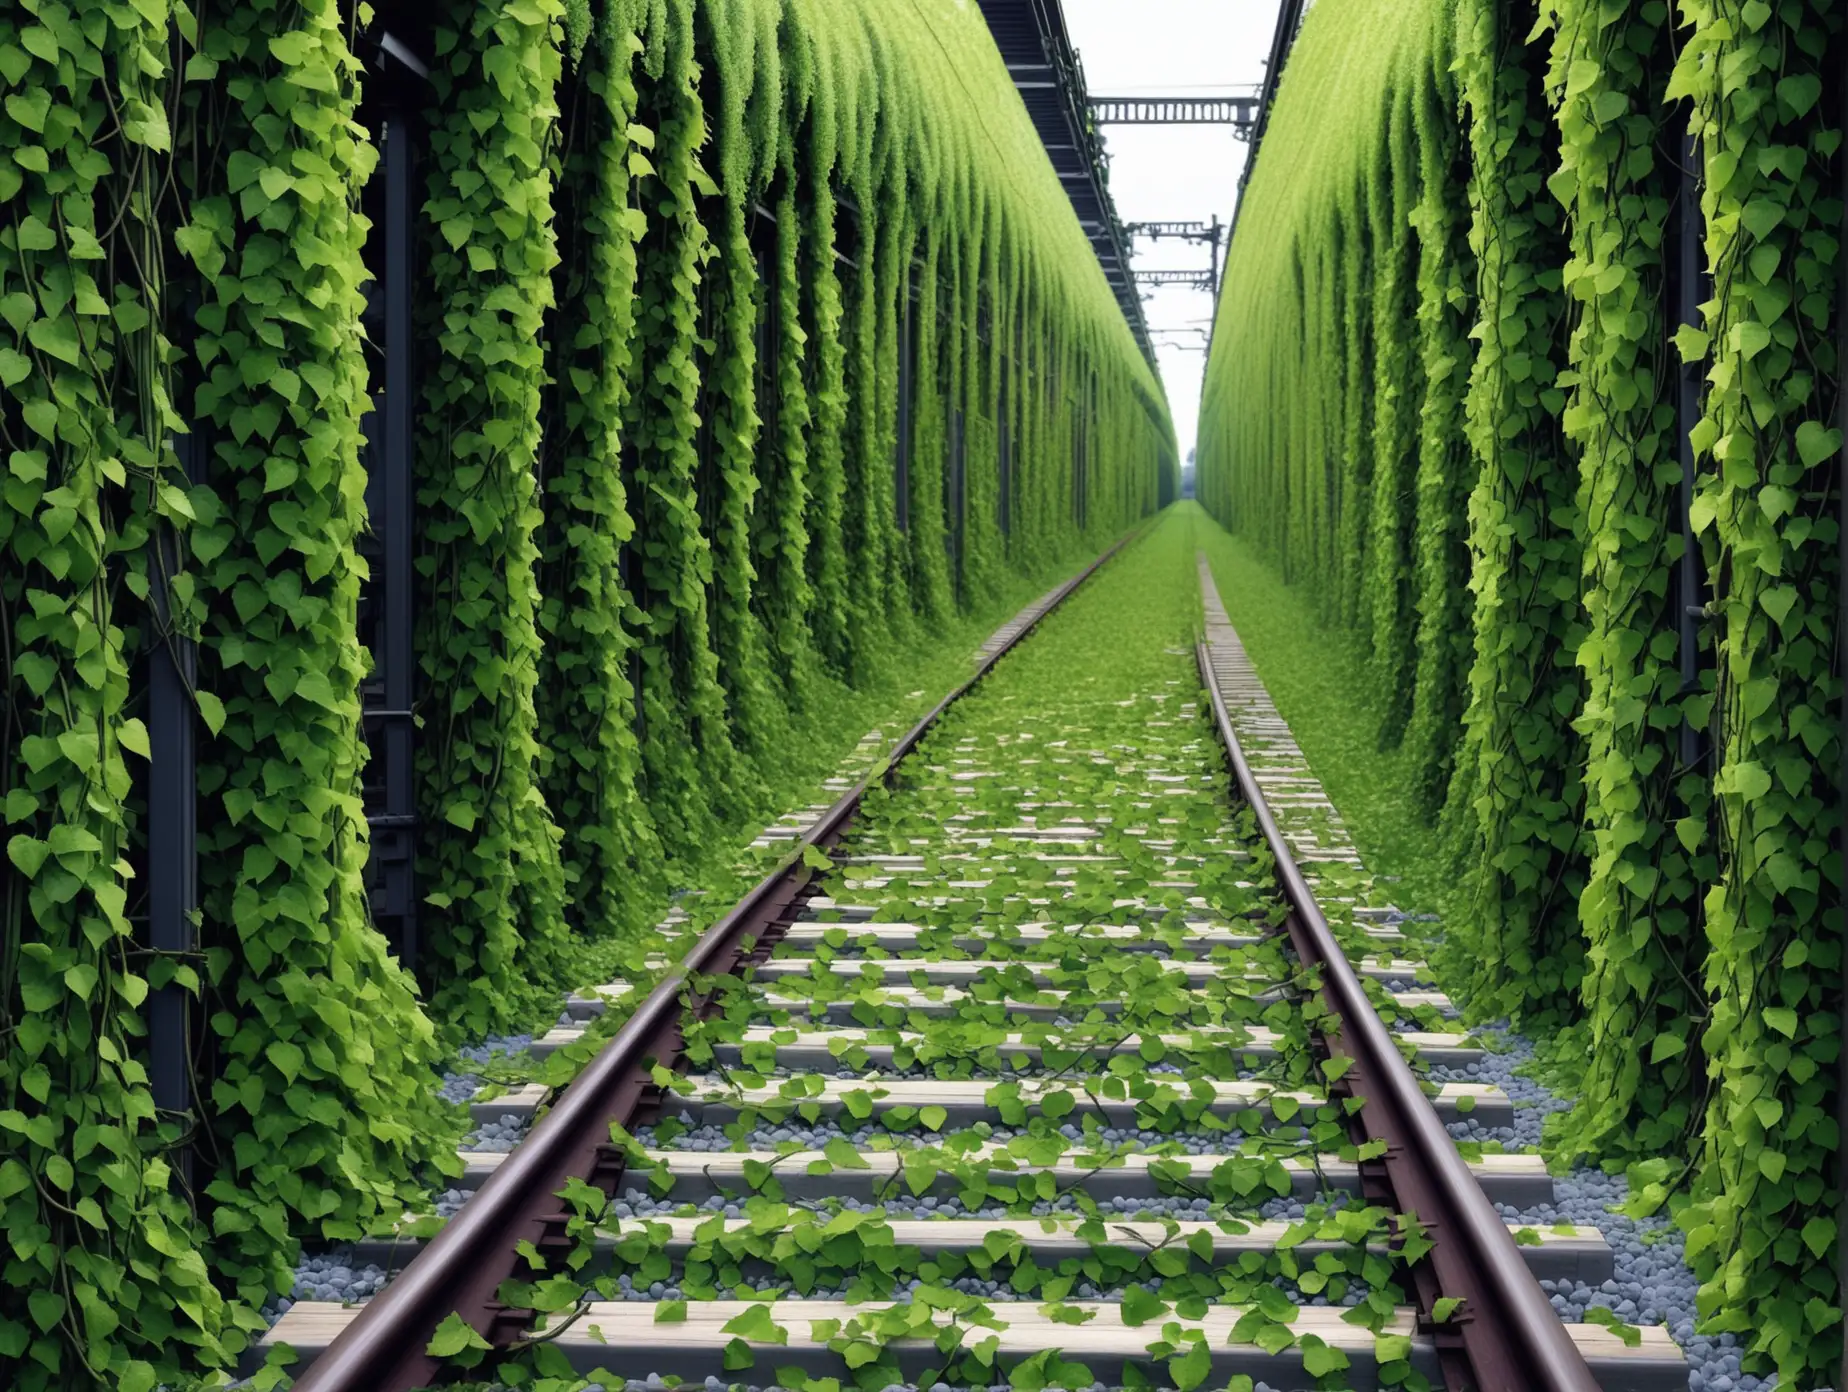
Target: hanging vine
column 1638, row 908
column 103, row 1279
column 1516, row 794
column 590, row 759
column 1446, row 467
column 1762, row 1232
column 488, row 849
column 321, row 1122
column 1397, row 396
column 687, row 751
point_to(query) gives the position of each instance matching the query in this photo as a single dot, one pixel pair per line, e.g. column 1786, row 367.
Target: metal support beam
column 1037, row 49
column 1212, row 233
column 390, row 732
column 1690, row 288
column 1004, row 449
column 173, row 837
column 1841, row 666
column 956, row 486
column 1199, row 280
column 907, row 372
column 1238, row 112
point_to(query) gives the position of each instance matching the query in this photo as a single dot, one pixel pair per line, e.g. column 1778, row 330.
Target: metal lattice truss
column 1034, row 43
column 1200, row 280
column 1212, row 233
column 1240, row 113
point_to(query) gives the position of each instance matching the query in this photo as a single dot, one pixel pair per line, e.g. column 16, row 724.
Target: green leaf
column 1631, row 1336
column 1819, row 1236
column 453, row 1336
column 211, row 710
column 1817, row 442
column 134, row 737
column 1319, row 1358
column 1782, row 1019
column 1799, row 92
column 1189, row 1370
column 286, row 1057
column 1750, row 338
column 47, row 1308
column 57, row 338
column 1141, row 1306
column 1692, row 343
column 27, row 853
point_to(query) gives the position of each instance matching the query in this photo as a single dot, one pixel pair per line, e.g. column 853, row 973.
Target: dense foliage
column 1105, row 735
column 1648, row 854
column 656, row 526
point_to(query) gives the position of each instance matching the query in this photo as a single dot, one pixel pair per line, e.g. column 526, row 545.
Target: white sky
column 1133, row 48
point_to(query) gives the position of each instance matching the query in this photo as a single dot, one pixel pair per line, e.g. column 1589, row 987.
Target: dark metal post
column 1841, row 658
column 953, row 534
column 907, row 354
column 1690, row 279
column 393, row 824
column 1004, row 449
column 173, row 837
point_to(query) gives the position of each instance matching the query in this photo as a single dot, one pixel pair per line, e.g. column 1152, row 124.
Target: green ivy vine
column 1675, row 914
column 782, row 542
column 1638, row 909
column 184, row 255
column 1516, row 795
column 589, row 756
column 1762, row 1231
column 488, row 848
column 1446, row 467
column 747, row 71
column 103, row 1278
column 319, row 1118
column 688, row 757
column 1396, row 410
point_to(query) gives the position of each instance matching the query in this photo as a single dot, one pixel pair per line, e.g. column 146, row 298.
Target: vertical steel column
column 907, row 367
column 1004, row 450
column 173, row 846
column 1689, row 282
column 1841, row 665
column 394, row 823
column 953, row 534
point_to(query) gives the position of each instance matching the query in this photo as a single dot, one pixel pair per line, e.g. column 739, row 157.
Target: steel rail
column 383, row 1350
column 1510, row 1336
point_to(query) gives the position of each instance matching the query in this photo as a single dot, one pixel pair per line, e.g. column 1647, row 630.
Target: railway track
column 1054, row 1073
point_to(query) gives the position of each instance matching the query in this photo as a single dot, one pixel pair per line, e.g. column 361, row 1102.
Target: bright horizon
column 1174, row 173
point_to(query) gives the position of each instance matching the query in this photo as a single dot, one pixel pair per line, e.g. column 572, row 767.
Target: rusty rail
column 1505, row 1334
column 383, row 1350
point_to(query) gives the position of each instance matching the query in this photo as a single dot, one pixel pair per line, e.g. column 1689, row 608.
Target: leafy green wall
column 656, row 532
column 1443, row 401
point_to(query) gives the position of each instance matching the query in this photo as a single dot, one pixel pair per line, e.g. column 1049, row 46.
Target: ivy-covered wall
column 668, row 253
column 1444, row 400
